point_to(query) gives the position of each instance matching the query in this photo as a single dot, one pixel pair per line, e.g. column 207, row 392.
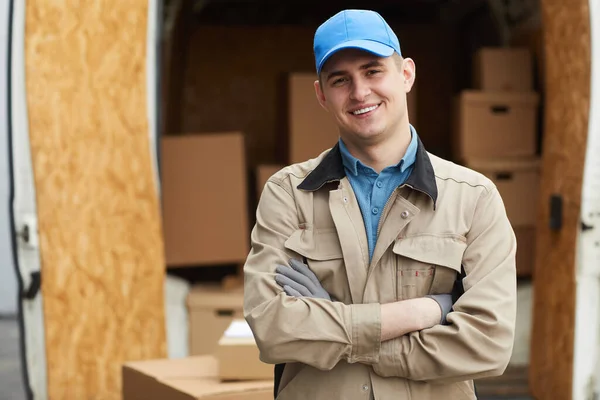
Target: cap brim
column 379, row 49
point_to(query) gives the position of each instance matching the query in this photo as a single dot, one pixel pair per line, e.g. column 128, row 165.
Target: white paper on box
column 239, row 329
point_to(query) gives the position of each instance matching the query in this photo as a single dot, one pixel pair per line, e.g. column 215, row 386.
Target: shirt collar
column 352, row 163
column 331, row 169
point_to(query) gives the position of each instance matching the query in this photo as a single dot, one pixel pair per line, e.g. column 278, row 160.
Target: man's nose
column 360, row 90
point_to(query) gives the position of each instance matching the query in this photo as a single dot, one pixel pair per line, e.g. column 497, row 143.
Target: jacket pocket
column 427, row 264
column 322, row 251
column 319, row 245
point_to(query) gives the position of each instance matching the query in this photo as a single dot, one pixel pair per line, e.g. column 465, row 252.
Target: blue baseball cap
column 356, row 29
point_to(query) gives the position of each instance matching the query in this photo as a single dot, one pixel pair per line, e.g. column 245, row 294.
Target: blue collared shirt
column 373, row 190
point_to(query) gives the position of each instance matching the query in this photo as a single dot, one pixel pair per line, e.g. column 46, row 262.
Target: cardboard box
column 263, row 173
column 204, row 197
column 311, row 129
column 238, row 355
column 211, row 310
column 518, row 182
column 495, row 125
column 525, row 251
column 503, row 69
column 189, row 378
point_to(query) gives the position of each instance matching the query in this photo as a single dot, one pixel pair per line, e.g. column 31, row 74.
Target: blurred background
column 224, row 89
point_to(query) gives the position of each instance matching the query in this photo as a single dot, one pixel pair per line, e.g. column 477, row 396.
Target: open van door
column 25, row 242
column 90, row 295
column 8, row 283
column 586, row 371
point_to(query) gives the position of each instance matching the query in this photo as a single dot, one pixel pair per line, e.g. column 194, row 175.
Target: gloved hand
column 445, row 303
column 300, row 281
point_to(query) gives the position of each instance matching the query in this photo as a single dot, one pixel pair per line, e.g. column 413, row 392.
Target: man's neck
column 382, row 154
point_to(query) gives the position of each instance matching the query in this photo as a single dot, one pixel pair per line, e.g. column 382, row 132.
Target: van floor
column 511, row 386
column 11, row 380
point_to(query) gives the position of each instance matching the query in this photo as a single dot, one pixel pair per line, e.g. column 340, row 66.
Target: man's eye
column 339, row 81
column 373, row 71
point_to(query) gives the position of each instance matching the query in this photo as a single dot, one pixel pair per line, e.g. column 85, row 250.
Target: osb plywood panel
column 100, row 232
column 567, row 44
column 234, row 77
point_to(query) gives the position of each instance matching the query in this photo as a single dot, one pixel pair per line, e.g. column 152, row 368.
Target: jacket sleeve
column 315, row 332
column 478, row 341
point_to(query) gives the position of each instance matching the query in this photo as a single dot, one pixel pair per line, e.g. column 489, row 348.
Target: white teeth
column 364, row 110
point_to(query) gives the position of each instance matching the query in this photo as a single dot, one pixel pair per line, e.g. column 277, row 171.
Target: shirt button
column 379, row 184
column 375, row 210
column 365, row 387
column 404, row 214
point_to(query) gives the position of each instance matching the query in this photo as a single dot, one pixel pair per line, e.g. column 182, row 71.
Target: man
column 351, row 249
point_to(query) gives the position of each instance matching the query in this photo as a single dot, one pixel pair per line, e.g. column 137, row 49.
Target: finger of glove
column 298, row 277
column 291, row 291
column 322, row 294
column 284, row 281
column 304, row 270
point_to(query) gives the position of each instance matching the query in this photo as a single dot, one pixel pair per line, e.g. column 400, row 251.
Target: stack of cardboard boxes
column 205, row 223
column 228, row 369
column 495, row 133
column 224, row 358
column 191, row 378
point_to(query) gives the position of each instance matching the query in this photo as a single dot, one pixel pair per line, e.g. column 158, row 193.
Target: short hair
column 398, row 59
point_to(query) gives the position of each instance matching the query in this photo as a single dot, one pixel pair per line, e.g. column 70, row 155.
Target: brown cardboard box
column 263, row 173
column 495, row 125
column 189, row 378
column 503, row 69
column 238, row 355
column 311, row 129
column 211, row 310
column 518, row 182
column 204, row 193
column 525, row 251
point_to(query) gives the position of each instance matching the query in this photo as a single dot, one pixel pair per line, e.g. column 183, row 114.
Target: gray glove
column 300, row 281
column 445, row 303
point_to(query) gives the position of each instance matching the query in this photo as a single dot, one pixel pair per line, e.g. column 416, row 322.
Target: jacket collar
column 331, row 169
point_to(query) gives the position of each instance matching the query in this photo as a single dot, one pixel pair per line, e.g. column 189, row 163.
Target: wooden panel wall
column 567, row 81
column 100, row 232
column 233, row 77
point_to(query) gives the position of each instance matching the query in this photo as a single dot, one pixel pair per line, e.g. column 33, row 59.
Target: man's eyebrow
column 333, row 74
column 370, row 64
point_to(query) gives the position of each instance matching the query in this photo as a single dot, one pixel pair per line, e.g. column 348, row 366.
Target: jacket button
column 404, row 214
column 365, row 387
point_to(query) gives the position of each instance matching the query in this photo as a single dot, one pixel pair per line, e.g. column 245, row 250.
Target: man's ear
column 320, row 95
column 409, row 72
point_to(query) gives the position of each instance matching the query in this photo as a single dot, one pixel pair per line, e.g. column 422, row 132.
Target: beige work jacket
column 445, row 216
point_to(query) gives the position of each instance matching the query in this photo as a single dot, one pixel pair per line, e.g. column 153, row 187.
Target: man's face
column 366, row 94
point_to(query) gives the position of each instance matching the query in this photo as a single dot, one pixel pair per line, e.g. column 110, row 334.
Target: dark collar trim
column 331, row 169
column 422, row 177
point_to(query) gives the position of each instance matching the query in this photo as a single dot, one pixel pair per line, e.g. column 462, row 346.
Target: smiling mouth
column 364, row 110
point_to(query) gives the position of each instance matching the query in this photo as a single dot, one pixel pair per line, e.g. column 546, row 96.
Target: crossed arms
column 397, row 318
column 476, row 342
